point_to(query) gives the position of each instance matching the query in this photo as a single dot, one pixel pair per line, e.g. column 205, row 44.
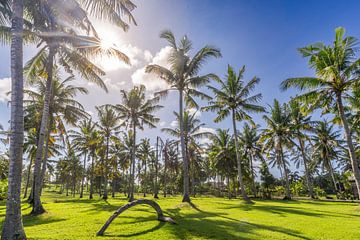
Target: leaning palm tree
column 137, row 111
column 233, row 98
column 277, row 136
column 109, row 124
column 13, row 227
column 182, row 76
column 337, row 71
column 326, row 148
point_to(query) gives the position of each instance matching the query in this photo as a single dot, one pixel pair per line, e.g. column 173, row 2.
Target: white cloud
column 151, row 81
column 174, row 123
column 206, row 129
column 162, row 123
column 5, row 87
column 196, row 111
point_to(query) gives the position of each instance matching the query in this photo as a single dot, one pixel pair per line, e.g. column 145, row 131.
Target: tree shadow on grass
column 29, row 220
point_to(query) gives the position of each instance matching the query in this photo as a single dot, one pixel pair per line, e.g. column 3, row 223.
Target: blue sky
column 263, row 35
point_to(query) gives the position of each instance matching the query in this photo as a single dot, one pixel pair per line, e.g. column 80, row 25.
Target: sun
column 109, row 39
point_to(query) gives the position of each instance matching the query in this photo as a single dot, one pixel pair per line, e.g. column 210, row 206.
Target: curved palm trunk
column 354, row 161
column 132, row 177
column 13, row 227
column 83, row 178
column 46, row 156
column 307, row 173
column 28, row 178
column 240, row 176
column 37, row 206
column 186, row 197
column 287, row 184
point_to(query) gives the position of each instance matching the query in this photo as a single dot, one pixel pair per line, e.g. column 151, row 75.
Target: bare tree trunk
column 166, row 156
column 287, row 184
column 253, row 187
column 37, row 206
column 105, row 196
column 45, row 158
column 131, row 194
column 240, row 177
column 228, row 186
column 83, row 178
column 28, row 178
column 13, row 227
column 307, row 174
column 156, row 168
column 354, row 161
column 145, row 178
column 331, row 171
column 186, row 197
column 92, row 175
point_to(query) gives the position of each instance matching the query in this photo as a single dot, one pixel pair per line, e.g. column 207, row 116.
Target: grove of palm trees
column 130, row 119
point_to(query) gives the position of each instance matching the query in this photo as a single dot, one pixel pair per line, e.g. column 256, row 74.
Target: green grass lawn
column 213, row 218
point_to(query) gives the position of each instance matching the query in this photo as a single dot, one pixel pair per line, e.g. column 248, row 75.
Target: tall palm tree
column 301, row 124
column 82, row 142
column 109, row 125
column 137, row 111
column 337, row 70
column 13, row 227
column 144, row 152
column 234, row 98
column 277, row 136
column 326, row 148
column 182, row 76
column 222, row 155
column 249, row 140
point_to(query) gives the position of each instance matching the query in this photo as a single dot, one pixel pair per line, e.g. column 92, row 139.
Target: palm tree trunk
column 131, row 197
column 287, row 184
column 92, row 175
column 307, row 173
column 165, row 168
column 354, row 161
column 186, row 197
column 228, row 186
column 28, row 178
column 105, row 196
column 46, row 155
column 83, row 178
column 156, row 168
column 253, row 187
column 13, row 227
column 331, row 171
column 37, row 206
column 145, row 179
column 240, row 177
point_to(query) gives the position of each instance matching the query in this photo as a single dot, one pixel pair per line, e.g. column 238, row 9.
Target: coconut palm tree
column 234, row 98
column 12, row 226
column 337, row 71
column 82, row 142
column 144, row 152
column 249, row 140
column 277, row 136
column 136, row 111
column 326, row 148
column 183, row 77
column 222, row 155
column 109, row 124
column 301, row 124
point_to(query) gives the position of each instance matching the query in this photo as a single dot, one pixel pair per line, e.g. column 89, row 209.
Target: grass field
column 213, row 218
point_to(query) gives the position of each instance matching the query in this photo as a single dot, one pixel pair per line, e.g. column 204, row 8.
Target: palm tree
column 137, row 111
column 222, row 155
column 182, row 76
column 337, row 70
column 13, row 227
column 326, row 148
column 249, row 140
column 277, row 136
column 144, row 152
column 302, row 123
column 233, row 98
column 109, row 125
column 82, row 142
